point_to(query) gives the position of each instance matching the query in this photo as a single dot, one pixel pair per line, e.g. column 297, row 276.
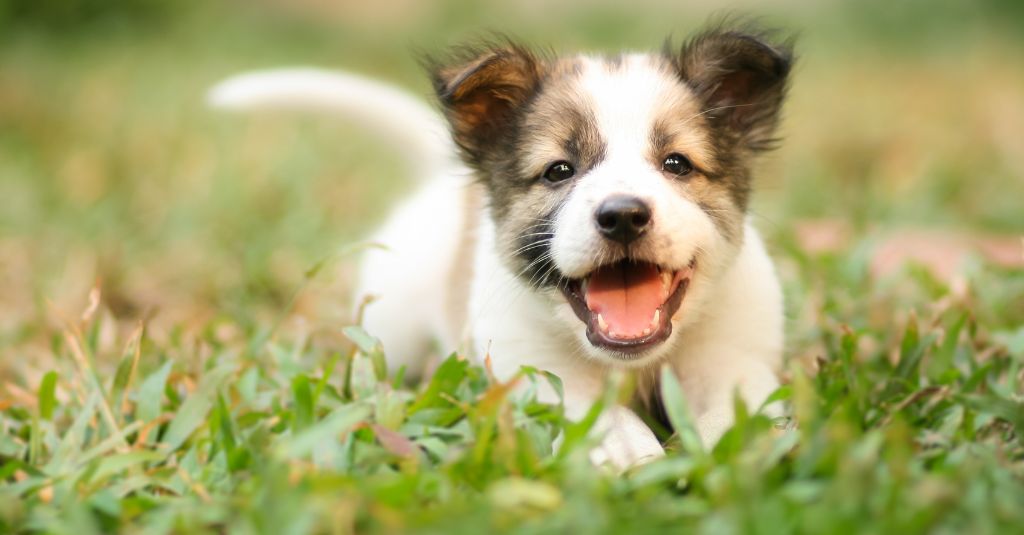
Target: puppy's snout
column 623, row 218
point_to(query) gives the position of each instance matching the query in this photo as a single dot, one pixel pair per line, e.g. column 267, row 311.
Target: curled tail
column 391, row 113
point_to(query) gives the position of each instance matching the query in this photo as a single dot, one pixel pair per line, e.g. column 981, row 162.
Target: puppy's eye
column 559, row 171
column 677, row 164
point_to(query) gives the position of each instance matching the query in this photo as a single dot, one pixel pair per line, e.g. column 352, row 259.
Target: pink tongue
column 626, row 295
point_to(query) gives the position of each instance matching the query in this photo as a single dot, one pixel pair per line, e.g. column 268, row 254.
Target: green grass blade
column 678, row 412
column 323, row 433
column 150, row 395
column 192, row 413
column 48, row 395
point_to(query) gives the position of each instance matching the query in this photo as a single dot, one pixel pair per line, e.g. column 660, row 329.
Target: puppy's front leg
column 710, row 387
column 626, row 439
column 737, row 348
column 626, row 442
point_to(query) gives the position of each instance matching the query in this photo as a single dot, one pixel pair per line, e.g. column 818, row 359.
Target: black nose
column 623, row 218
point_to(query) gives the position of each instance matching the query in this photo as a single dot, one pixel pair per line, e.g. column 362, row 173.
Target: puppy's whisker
column 537, row 234
column 547, row 274
column 765, row 218
column 542, row 258
column 539, row 277
column 530, row 246
column 710, row 110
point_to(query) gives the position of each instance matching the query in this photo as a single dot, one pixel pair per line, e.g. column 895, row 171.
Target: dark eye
column 677, row 164
column 559, row 171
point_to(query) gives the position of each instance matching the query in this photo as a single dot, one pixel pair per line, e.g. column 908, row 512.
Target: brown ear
column 482, row 90
column 741, row 79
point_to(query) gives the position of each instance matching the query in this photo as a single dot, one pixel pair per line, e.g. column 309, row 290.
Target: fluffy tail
column 391, row 113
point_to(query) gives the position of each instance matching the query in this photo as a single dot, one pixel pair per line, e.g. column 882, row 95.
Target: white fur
column 727, row 335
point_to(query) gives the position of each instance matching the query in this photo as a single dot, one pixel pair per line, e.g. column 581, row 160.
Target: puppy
column 579, row 214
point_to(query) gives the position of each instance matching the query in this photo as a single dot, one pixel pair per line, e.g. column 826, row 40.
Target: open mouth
column 628, row 306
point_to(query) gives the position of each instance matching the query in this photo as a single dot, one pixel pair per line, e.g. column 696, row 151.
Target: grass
column 913, row 426
column 176, row 355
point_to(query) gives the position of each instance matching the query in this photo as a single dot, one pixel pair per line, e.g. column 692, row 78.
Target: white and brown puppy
column 594, row 219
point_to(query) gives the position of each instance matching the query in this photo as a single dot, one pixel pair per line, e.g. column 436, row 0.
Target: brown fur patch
column 718, row 188
column 741, row 76
column 558, row 125
column 482, row 89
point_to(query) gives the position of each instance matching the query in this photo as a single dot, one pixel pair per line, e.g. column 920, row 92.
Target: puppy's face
column 618, row 186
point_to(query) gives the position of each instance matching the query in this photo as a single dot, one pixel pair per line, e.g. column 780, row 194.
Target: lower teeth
column 655, row 323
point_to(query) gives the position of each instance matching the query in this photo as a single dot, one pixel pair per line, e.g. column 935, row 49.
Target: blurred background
column 905, row 119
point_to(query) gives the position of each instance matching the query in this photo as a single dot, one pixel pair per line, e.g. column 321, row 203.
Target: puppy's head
column 618, row 185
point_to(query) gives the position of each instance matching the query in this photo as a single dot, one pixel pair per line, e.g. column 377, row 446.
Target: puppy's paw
column 622, row 450
column 754, row 387
column 713, row 424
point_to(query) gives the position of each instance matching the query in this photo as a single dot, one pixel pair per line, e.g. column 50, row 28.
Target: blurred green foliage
column 912, row 429
column 77, row 15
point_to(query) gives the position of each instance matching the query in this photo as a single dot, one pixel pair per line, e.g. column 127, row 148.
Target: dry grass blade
column 135, row 344
column 88, row 374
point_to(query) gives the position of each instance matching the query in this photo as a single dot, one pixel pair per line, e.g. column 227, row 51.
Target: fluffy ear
column 482, row 89
column 741, row 78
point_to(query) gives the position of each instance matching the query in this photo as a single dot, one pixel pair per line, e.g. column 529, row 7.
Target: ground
column 177, row 353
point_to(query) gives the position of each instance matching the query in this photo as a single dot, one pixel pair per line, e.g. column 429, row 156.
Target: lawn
column 178, row 354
